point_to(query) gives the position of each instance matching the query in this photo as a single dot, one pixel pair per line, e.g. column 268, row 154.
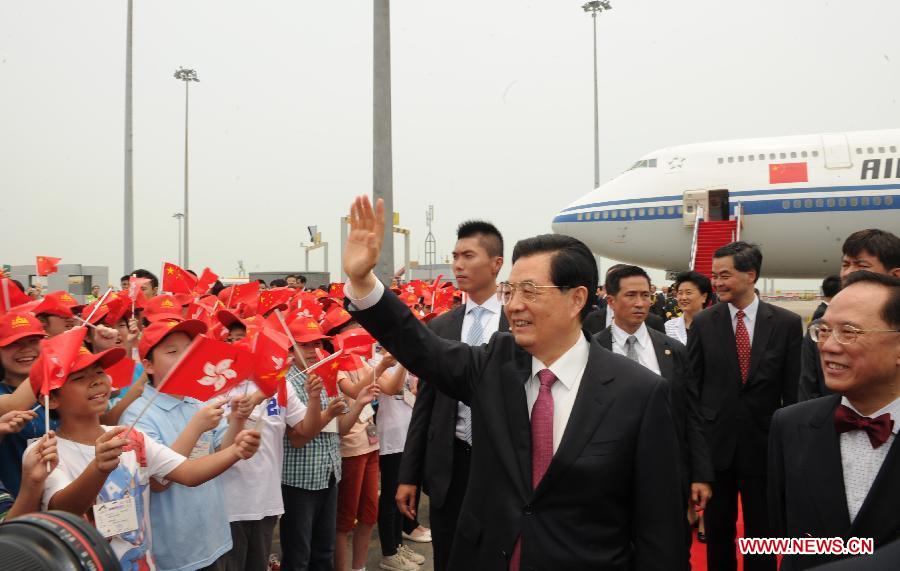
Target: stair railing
column 739, row 219
column 697, row 220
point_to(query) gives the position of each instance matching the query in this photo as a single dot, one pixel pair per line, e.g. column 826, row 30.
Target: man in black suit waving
column 834, row 461
column 574, row 464
column 628, row 294
column 746, row 359
column 439, row 440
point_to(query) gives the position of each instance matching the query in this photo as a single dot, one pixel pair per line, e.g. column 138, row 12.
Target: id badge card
column 201, row 449
column 409, row 398
column 116, row 517
column 331, row 426
column 367, row 413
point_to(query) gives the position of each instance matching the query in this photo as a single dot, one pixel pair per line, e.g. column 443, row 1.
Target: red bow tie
column 879, row 428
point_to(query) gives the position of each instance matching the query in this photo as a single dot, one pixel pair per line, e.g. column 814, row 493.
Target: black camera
column 55, row 541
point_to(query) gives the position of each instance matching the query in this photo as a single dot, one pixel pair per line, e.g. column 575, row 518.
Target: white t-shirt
column 393, row 417
column 147, row 459
column 253, row 487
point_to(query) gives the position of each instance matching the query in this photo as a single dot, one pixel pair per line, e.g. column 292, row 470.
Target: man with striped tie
column 439, row 440
column 574, row 460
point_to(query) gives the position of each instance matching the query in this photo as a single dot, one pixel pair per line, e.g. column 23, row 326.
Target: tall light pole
column 179, row 216
column 595, row 7
column 187, row 76
column 128, row 239
column 382, row 164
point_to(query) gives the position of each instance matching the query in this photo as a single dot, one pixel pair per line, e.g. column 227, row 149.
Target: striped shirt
column 311, row 466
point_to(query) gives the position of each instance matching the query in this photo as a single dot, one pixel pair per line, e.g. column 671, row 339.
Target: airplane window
column 632, row 213
column 880, row 149
column 798, row 203
column 842, row 202
column 652, row 163
column 815, row 153
column 580, row 216
column 858, row 150
column 888, row 200
column 803, row 154
column 830, row 203
column 741, row 159
column 771, row 156
column 679, row 210
column 721, row 160
column 820, row 203
column 794, row 155
column 876, row 200
column 762, row 157
column 870, row 150
column 605, row 215
column 670, row 210
column 865, row 200
column 854, row 201
column 751, row 157
column 614, row 214
column 807, row 203
column 786, row 204
column 782, row 155
column 730, row 159
column 642, row 212
column 893, row 149
column 622, row 213
column 651, row 211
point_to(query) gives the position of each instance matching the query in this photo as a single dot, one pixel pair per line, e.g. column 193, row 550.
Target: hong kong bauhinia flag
column 208, row 368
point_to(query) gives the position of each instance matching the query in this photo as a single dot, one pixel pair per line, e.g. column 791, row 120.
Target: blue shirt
column 190, row 525
column 12, row 447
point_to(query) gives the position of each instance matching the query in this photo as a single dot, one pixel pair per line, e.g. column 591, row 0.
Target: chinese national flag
column 46, row 265
column 242, row 293
column 356, row 341
column 328, row 372
column 11, row 295
column 787, row 172
column 270, row 365
column 336, row 290
column 177, row 279
column 272, row 298
column 57, row 356
column 206, row 281
column 208, row 368
column 122, row 373
column 349, row 362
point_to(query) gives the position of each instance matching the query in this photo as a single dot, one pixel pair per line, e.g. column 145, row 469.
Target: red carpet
column 698, row 550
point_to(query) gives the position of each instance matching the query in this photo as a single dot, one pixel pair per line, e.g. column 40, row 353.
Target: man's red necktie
column 878, row 428
column 541, row 444
column 742, row 340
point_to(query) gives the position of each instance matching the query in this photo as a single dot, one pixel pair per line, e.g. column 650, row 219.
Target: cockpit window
column 646, row 163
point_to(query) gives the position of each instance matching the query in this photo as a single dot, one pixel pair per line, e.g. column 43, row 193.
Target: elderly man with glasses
column 834, row 462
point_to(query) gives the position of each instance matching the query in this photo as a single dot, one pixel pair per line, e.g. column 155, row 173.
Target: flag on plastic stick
column 356, row 341
column 47, row 265
column 241, row 293
column 350, row 362
column 206, row 281
column 272, row 298
column 136, row 287
column 57, row 356
column 208, row 368
column 270, row 366
column 11, row 295
column 177, row 280
column 336, row 290
column 327, row 368
column 122, row 373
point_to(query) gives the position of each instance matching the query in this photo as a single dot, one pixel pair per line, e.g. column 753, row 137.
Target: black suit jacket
column 428, row 454
column 595, row 322
column 675, row 367
column 737, row 415
column 610, row 498
column 806, row 483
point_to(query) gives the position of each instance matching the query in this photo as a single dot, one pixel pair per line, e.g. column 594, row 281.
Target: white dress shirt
column 749, row 317
column 675, row 328
column 644, row 346
column 609, row 316
column 568, row 370
column 490, row 321
column 860, row 461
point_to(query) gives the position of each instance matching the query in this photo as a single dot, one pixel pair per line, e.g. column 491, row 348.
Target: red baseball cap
column 335, row 316
column 83, row 360
column 63, row 297
column 15, row 326
column 53, row 305
column 306, row 330
column 154, row 333
column 162, row 307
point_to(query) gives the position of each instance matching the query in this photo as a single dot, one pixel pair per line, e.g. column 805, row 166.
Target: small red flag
column 336, row 290
column 328, row 372
column 787, row 172
column 356, row 341
column 349, row 362
column 121, row 373
column 177, row 279
column 11, row 295
column 46, row 265
column 58, row 354
column 242, row 293
column 270, row 365
column 206, row 281
column 272, row 298
column 208, row 368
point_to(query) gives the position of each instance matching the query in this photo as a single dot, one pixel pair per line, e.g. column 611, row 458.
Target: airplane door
column 692, row 201
column 837, row 151
column 718, row 205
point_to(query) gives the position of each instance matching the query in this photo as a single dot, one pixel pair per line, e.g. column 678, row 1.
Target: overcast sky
column 491, row 109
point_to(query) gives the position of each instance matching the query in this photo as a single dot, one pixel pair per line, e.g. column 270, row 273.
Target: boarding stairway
column 709, row 236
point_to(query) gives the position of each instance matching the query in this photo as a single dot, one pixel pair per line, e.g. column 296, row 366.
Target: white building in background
column 73, row 278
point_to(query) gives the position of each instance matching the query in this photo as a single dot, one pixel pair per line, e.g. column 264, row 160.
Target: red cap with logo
column 335, row 316
column 306, row 330
column 154, row 333
column 54, row 305
column 161, row 307
column 15, row 326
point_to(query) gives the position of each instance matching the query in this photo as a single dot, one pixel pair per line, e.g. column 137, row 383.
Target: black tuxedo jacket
column 610, row 498
column 427, row 459
column 737, row 415
column 595, row 322
column 806, row 483
column 675, row 367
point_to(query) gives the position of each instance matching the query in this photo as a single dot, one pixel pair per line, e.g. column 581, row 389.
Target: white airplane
column 798, row 197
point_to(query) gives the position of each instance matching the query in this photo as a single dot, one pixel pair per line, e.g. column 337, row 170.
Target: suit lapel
column 879, row 512
column 824, row 472
column 604, row 338
column 664, row 355
column 456, row 323
column 591, row 405
column 504, row 323
column 761, row 335
column 514, row 374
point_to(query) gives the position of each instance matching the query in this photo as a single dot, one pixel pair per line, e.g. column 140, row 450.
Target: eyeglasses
column 819, row 331
column 529, row 290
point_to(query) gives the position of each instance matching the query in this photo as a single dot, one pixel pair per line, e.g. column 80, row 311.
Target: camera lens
column 55, row 541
